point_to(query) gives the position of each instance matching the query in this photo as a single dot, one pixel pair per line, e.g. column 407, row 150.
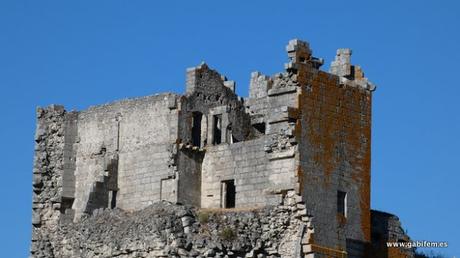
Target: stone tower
column 303, row 131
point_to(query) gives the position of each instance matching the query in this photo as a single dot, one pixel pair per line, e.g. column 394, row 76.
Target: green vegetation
column 227, row 234
column 203, row 217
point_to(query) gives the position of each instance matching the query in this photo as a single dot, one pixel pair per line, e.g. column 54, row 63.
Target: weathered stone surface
column 159, row 230
column 300, row 144
column 386, row 227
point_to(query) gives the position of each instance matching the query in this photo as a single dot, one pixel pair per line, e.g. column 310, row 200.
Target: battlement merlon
column 300, row 54
column 349, row 74
column 300, row 58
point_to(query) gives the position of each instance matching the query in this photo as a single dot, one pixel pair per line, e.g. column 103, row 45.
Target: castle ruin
column 302, row 133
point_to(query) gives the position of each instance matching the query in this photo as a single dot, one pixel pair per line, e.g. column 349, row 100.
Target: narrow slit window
column 230, row 138
column 113, row 199
column 342, row 203
column 217, row 130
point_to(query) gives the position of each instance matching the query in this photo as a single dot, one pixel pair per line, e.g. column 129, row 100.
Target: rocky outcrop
column 169, row 230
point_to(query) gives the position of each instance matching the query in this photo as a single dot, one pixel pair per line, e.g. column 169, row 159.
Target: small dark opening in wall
column 229, row 134
column 352, row 73
column 217, row 130
column 113, row 200
column 230, row 137
column 66, row 203
column 228, row 194
column 342, row 203
column 196, row 129
column 260, row 127
column 376, row 237
column 292, row 120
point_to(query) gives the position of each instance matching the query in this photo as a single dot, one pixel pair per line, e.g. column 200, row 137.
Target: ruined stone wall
column 259, row 177
column 137, row 136
column 189, row 166
column 146, row 171
column 168, row 230
column 257, row 103
column 330, row 118
column 210, row 93
column 387, row 227
column 335, row 156
column 300, row 140
column 47, row 177
column 115, row 154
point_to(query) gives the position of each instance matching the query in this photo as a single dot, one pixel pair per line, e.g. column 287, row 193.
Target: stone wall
column 387, row 227
column 111, row 155
column 47, row 177
column 302, row 137
column 137, row 135
column 260, row 178
column 324, row 120
column 334, row 134
column 207, row 93
column 189, row 165
column 168, row 230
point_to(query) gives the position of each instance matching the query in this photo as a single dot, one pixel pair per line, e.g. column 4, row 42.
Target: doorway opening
column 228, row 194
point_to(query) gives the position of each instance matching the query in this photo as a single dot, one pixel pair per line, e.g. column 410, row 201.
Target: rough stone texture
column 47, row 177
column 209, row 96
column 302, row 137
column 260, row 180
column 335, row 156
column 386, row 227
column 167, row 230
column 136, row 137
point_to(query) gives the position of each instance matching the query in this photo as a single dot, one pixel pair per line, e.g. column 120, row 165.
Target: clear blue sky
column 81, row 53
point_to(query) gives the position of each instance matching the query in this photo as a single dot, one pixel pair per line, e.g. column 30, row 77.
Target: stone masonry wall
column 329, row 115
column 47, row 177
column 137, row 135
column 208, row 94
column 386, row 228
column 260, row 178
column 297, row 150
column 189, row 165
column 334, row 133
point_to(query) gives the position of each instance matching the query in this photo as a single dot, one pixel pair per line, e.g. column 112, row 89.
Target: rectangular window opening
column 260, row 127
column 196, row 129
column 229, row 135
column 342, row 203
